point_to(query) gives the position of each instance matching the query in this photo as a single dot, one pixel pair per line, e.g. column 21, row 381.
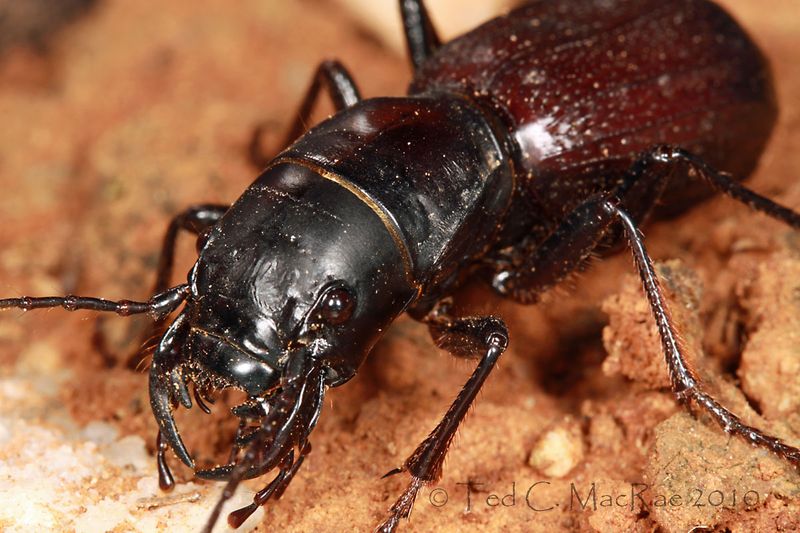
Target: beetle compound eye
column 336, row 306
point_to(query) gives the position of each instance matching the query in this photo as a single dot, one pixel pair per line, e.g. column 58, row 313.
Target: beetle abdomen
column 584, row 86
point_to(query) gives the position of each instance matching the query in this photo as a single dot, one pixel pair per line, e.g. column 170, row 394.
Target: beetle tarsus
column 402, row 507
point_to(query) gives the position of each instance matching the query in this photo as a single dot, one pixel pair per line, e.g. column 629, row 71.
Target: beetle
column 522, row 147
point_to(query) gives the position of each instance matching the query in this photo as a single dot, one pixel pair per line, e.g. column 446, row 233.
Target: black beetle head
column 298, row 260
column 299, row 266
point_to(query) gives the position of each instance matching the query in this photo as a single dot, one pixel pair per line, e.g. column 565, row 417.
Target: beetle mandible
column 522, row 147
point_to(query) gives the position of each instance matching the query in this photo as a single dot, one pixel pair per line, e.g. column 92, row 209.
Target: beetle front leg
column 342, row 90
column 468, row 337
column 195, row 219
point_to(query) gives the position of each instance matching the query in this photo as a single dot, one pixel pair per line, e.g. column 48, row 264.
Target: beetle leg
column 562, row 253
column 572, row 242
column 672, row 157
column 195, row 219
column 342, row 90
column 464, row 337
column 535, row 266
column 685, row 382
column 421, row 38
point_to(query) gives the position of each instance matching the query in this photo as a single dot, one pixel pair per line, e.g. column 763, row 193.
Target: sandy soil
column 133, row 113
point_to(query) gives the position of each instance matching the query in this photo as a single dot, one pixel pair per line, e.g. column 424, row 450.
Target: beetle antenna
column 157, row 306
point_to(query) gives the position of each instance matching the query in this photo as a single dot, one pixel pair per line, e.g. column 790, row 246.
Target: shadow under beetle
column 523, row 146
